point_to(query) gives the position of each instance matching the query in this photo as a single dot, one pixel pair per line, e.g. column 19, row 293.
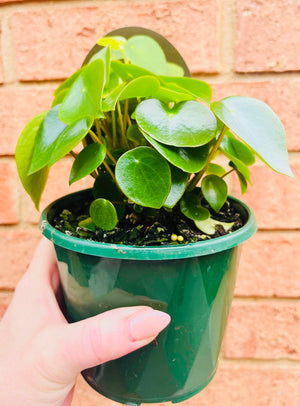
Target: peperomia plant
column 149, row 136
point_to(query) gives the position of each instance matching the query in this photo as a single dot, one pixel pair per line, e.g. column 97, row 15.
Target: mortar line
column 253, row 362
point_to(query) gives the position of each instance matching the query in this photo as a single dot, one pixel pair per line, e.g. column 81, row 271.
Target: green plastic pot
column 194, row 283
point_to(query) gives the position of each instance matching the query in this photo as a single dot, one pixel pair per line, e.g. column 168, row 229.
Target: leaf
column 104, row 187
column 190, row 206
column 208, row 226
column 114, row 41
column 69, row 82
column 129, row 71
column 87, row 161
column 197, row 88
column 33, row 184
column 104, row 55
column 167, row 95
column 178, row 185
column 215, row 169
column 190, row 160
column 174, row 70
column 214, row 190
column 69, row 138
column 258, row 126
column 237, row 149
column 143, row 86
column 144, row 51
column 144, row 176
column 88, row 224
column 59, row 98
column 103, row 214
column 242, row 168
column 49, row 131
column 133, row 133
column 187, row 124
column 84, row 97
column 241, row 177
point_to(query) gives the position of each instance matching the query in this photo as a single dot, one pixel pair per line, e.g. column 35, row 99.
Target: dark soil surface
column 157, row 227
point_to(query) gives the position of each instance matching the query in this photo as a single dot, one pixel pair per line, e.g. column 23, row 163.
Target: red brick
column 52, row 43
column 15, row 256
column 8, row 198
column 282, row 96
column 18, row 106
column 1, row 67
column 270, row 265
column 11, row 1
column 250, row 385
column 5, row 299
column 57, row 186
column 273, row 197
column 263, row 330
column 268, row 36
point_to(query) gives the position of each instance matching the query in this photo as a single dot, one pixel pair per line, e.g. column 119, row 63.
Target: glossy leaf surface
column 33, row 184
column 143, row 86
column 49, row 131
column 258, row 126
column 208, row 226
column 214, row 190
column 84, row 97
column 144, row 176
column 190, row 206
column 179, row 182
column 187, row 124
column 144, row 51
column 215, row 169
column 190, row 160
column 237, row 149
column 195, row 87
column 69, row 138
column 103, row 214
column 87, row 161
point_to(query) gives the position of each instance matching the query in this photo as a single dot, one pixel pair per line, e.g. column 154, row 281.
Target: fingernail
column 147, row 323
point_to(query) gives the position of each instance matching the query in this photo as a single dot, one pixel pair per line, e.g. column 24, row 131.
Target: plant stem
column 125, row 115
column 192, row 184
column 94, row 137
column 74, row 155
column 121, row 121
column 227, row 173
column 114, row 130
column 107, row 167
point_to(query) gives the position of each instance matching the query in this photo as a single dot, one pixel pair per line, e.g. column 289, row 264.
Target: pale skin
column 41, row 354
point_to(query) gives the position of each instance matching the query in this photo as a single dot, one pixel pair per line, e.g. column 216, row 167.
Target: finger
column 44, row 261
column 104, row 337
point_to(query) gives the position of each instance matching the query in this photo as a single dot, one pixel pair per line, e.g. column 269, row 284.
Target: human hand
column 41, row 354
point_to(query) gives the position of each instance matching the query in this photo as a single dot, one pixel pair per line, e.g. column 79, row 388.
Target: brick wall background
column 240, row 47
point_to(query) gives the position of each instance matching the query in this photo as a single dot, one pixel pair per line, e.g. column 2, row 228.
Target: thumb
column 104, row 337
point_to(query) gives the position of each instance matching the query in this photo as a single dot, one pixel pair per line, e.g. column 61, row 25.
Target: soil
column 148, row 228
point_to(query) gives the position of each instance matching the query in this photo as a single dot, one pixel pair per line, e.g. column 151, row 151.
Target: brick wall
column 240, row 47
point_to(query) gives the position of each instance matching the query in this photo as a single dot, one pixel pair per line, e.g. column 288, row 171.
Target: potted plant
column 158, row 227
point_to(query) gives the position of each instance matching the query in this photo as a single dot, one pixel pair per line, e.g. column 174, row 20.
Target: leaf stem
column 227, row 173
column 193, row 182
column 107, row 167
column 114, row 129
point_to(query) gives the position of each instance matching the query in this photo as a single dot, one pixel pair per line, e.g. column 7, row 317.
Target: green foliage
column 149, row 136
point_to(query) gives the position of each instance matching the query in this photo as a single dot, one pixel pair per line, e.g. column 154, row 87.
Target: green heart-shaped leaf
column 33, row 184
column 103, row 214
column 258, row 126
column 190, row 160
column 69, row 138
column 174, row 70
column 208, row 226
column 87, row 161
column 179, row 182
column 237, row 149
column 84, row 97
column 215, row 169
column 241, row 177
column 103, row 54
column 144, row 51
column 143, row 86
column 190, row 206
column 199, row 89
column 215, row 191
column 129, row 71
column 49, row 131
column 187, row 124
column 167, row 95
column 144, row 176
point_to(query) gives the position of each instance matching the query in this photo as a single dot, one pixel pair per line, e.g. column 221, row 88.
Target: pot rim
column 181, row 251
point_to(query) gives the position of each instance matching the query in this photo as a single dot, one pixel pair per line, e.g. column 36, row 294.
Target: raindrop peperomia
column 149, row 136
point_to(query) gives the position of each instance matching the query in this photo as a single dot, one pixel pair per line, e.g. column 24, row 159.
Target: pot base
column 131, row 401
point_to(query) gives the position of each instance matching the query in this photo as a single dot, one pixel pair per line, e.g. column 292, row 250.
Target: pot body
column 196, row 290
